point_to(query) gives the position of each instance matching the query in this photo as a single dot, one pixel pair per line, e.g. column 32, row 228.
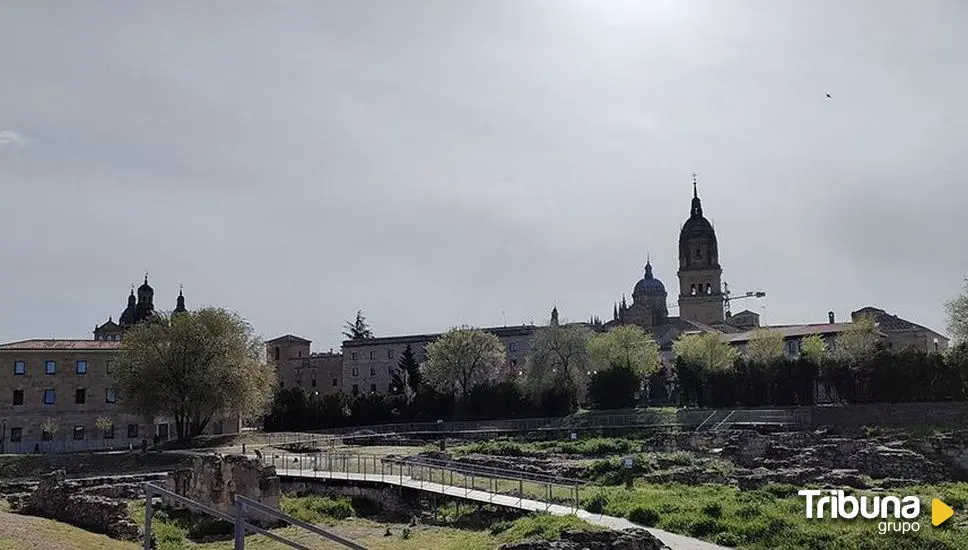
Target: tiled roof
column 40, row 344
column 500, row 332
column 793, row 331
column 289, row 338
column 890, row 322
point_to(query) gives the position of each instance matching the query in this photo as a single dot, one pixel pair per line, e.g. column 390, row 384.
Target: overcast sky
column 445, row 162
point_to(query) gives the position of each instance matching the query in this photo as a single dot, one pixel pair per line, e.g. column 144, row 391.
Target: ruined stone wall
column 215, row 479
column 64, row 500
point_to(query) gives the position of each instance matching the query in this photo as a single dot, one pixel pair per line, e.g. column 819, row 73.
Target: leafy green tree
column 406, row 378
column 857, row 342
column 710, row 352
column 193, row 367
column 462, row 358
column 626, row 346
column 957, row 311
column 358, row 329
column 558, row 356
column 765, row 346
column 813, row 348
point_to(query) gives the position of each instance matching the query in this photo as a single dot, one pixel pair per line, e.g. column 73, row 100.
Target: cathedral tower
column 700, row 275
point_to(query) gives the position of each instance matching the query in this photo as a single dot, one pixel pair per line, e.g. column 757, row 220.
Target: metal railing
column 238, row 519
column 499, row 486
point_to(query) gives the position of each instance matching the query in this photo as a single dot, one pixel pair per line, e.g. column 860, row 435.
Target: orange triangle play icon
column 940, row 512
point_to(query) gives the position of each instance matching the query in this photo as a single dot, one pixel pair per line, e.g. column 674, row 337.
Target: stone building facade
column 299, row 367
column 59, row 394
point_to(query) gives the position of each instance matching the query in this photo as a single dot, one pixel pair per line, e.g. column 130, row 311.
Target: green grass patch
column 540, row 527
column 772, row 517
column 317, row 509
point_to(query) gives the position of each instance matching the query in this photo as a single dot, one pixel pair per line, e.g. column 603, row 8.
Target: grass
column 591, row 447
column 31, row 533
column 769, row 518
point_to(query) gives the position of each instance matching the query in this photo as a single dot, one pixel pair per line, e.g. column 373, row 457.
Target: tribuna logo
column 838, row 505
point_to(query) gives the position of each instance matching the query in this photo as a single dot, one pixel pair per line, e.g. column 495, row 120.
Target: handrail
column 728, row 416
column 490, row 471
column 241, row 525
column 248, row 502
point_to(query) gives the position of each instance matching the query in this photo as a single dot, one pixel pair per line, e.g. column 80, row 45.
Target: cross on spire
column 695, row 190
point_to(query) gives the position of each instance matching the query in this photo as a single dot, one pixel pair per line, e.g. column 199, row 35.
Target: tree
column 558, row 356
column 50, row 426
column 407, row 379
column 626, row 346
column 765, row 346
column 710, row 352
column 194, row 366
column 462, row 358
column 104, row 424
column 813, row 348
column 857, row 342
column 957, row 311
column 358, row 329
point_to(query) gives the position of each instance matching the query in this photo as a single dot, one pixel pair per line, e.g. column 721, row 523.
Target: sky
column 437, row 163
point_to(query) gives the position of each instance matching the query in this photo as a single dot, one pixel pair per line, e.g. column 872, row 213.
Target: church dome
column 649, row 285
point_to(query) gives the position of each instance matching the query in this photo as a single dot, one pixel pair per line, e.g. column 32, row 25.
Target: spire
column 554, row 316
column 615, row 312
column 648, row 267
column 131, row 298
column 696, row 211
column 180, row 304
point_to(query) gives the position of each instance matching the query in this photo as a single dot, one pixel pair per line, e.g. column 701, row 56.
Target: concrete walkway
column 672, row 540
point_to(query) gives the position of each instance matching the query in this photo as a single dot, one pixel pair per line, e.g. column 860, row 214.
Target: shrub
column 713, row 509
column 749, row 511
column 704, row 527
column 726, row 538
column 544, row 527
column 596, row 504
column 500, row 527
column 644, row 516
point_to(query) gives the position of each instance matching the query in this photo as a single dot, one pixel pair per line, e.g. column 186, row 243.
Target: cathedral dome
column 649, row 285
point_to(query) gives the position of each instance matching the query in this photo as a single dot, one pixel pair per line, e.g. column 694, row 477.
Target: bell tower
column 700, row 275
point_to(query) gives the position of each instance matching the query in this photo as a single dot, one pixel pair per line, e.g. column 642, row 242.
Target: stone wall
column 215, row 479
column 953, row 414
column 64, row 500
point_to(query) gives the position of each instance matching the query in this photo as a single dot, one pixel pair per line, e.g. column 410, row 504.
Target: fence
column 481, row 483
column 239, row 519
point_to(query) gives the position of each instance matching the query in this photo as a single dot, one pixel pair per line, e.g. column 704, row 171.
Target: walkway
column 672, row 540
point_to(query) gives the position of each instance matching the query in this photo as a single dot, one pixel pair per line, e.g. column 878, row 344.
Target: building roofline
column 61, row 344
column 515, row 330
column 290, row 338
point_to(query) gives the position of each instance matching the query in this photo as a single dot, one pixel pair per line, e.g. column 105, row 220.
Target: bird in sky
column 828, row 96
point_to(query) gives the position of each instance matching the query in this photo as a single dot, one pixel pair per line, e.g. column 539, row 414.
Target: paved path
column 672, row 540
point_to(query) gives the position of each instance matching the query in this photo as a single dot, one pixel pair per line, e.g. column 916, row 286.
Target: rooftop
column 41, row 344
column 793, row 331
column 501, row 332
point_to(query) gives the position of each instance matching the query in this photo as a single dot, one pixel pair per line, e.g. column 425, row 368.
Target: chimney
column 830, row 317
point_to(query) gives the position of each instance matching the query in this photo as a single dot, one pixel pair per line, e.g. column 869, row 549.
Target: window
column 372, row 371
column 793, row 346
column 356, row 389
column 109, row 432
column 109, row 366
column 356, row 371
column 46, row 436
column 372, row 388
column 18, row 397
column 698, row 252
column 335, row 382
column 48, row 397
column 162, row 431
column 19, row 367
column 80, row 367
column 314, row 382
column 692, row 290
column 389, row 354
column 354, row 356
column 111, row 395
column 50, row 367
column 80, row 396
column 78, row 433
column 16, row 434
column 132, row 431
column 512, row 346
column 217, row 428
column 709, row 288
column 276, row 353
column 372, row 355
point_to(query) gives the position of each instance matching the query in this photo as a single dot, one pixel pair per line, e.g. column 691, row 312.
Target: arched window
column 709, row 289
column 698, row 252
